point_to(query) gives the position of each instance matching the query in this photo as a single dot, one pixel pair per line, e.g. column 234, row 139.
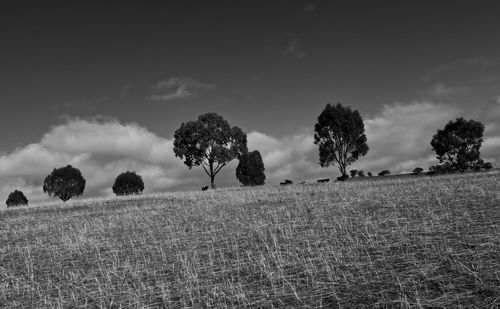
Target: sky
column 104, row 86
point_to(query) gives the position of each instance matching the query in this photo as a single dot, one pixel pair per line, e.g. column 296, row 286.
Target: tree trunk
column 212, row 181
column 212, row 176
column 343, row 171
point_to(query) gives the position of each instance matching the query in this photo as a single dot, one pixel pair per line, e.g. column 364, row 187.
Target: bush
column 343, row 178
column 444, row 168
column 65, row 183
column 417, row 171
column 370, row 174
column 128, row 183
column 16, row 198
column 250, row 169
column 384, row 172
column 353, row 173
column 488, row 166
column 361, row 173
column 481, row 165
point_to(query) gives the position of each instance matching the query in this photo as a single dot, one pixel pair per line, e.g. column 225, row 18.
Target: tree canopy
column 209, row 142
column 128, row 183
column 339, row 133
column 457, row 145
column 250, row 169
column 65, row 183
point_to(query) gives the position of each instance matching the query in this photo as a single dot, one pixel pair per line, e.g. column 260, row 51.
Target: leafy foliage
column 128, row 183
column 487, row 166
column 65, row 183
column 457, row 145
column 209, row 142
column 250, row 169
column 361, row 173
column 353, row 173
column 417, row 171
column 339, row 133
column 370, row 174
column 16, row 198
column 384, row 172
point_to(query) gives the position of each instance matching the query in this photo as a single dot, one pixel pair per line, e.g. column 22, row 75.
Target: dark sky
column 266, row 67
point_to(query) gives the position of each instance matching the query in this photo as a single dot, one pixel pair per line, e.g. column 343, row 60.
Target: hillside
column 400, row 242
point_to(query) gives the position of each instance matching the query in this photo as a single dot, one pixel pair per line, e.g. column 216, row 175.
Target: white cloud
column 442, row 90
column 293, row 47
column 310, row 8
column 101, row 149
column 481, row 62
column 398, row 136
column 177, row 88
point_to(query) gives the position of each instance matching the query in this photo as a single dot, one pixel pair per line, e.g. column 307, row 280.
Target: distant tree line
column 210, row 142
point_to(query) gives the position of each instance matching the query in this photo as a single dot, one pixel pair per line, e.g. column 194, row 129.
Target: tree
column 339, row 133
column 16, row 198
column 457, row 145
column 128, row 183
column 361, row 173
column 417, row 171
column 209, row 142
column 384, row 172
column 353, row 173
column 65, row 183
column 250, row 169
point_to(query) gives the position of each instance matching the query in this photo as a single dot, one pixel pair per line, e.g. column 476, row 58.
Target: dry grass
column 402, row 243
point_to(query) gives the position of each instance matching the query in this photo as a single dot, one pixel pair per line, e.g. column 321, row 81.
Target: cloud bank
column 398, row 136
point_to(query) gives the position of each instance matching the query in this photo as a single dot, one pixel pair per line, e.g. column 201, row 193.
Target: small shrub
column 384, row 172
column 128, row 183
column 16, row 198
column 361, row 173
column 481, row 165
column 354, row 173
column 444, row 168
column 370, row 174
column 488, row 166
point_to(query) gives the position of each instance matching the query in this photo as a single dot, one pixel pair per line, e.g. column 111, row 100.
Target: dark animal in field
column 323, row 180
column 205, row 188
column 286, row 182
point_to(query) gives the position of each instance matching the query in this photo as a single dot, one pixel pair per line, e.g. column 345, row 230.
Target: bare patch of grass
column 422, row 242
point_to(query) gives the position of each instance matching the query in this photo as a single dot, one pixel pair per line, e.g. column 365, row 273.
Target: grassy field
column 422, row 242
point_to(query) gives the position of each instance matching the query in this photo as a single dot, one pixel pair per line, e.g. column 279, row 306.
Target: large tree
column 457, row 145
column 340, row 134
column 65, row 183
column 209, row 142
column 250, row 169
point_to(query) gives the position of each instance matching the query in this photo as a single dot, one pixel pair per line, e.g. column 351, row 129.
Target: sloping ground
column 423, row 243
